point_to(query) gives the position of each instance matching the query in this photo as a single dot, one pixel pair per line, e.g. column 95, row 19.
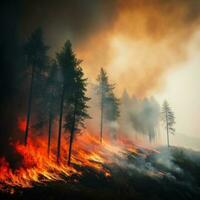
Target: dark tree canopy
column 67, row 62
column 77, row 102
column 35, row 50
column 36, row 58
column 73, row 99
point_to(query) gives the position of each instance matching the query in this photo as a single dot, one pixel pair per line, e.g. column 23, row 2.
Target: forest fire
column 37, row 167
column 99, row 100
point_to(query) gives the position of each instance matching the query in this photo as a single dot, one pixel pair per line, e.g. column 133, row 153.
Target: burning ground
column 100, row 171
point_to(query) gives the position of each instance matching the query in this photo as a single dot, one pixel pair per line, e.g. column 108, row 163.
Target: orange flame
column 37, row 167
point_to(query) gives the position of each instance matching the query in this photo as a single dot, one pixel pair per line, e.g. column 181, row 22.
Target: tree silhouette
column 167, row 116
column 66, row 60
column 52, row 94
column 109, row 104
column 72, row 96
column 150, row 117
column 76, row 107
column 36, row 58
column 47, row 99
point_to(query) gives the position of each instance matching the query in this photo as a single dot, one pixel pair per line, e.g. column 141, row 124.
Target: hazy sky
column 149, row 47
column 182, row 90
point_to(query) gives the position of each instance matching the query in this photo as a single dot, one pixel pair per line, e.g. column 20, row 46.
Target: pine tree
column 150, row 117
column 76, row 107
column 66, row 60
column 36, row 58
column 52, row 93
column 167, row 116
column 46, row 99
column 109, row 104
column 73, row 99
column 49, row 100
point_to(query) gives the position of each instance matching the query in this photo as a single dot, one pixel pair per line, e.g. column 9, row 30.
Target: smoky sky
column 82, row 18
column 140, row 38
column 77, row 19
column 152, row 35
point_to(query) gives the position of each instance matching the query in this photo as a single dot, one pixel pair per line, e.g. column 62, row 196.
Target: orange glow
column 37, row 167
column 22, row 124
column 142, row 45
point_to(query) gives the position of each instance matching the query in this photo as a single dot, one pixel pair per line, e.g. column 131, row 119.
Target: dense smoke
column 140, row 39
column 143, row 45
column 139, row 117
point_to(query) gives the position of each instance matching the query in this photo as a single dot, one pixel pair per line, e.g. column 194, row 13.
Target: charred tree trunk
column 60, row 124
column 29, row 107
column 72, row 135
column 70, row 146
column 50, row 132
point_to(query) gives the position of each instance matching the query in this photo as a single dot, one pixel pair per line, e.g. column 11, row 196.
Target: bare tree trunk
column 70, row 147
column 167, row 130
column 72, row 136
column 60, row 124
column 50, row 132
column 28, row 117
column 101, row 123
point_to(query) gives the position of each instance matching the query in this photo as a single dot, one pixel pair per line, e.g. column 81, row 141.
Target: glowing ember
column 22, row 124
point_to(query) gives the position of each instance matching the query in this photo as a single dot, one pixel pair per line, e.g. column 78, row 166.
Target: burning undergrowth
column 107, row 167
column 37, row 167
